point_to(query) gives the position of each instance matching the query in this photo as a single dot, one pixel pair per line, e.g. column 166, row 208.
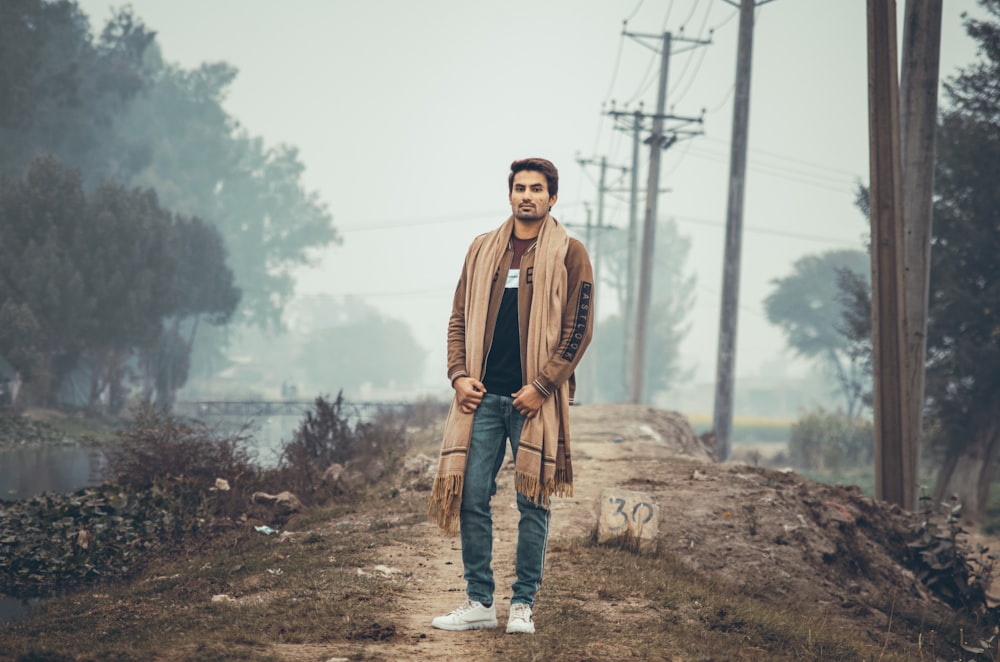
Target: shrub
column 831, row 441
column 943, row 559
column 366, row 449
column 184, row 459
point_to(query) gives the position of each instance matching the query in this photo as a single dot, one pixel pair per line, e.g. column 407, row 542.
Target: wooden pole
column 894, row 481
column 656, row 139
column 726, row 355
column 918, row 124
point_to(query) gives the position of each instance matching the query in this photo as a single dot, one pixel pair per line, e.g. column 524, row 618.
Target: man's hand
column 528, row 400
column 469, row 393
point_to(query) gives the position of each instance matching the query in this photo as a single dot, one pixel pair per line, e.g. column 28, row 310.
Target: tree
column 203, row 288
column 43, row 294
column 93, row 278
column 203, row 163
column 672, row 300
column 805, row 305
column 963, row 335
column 361, row 349
column 113, row 108
column 63, row 93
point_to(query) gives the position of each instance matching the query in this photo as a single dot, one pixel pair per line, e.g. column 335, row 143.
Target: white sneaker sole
column 453, row 627
column 520, row 629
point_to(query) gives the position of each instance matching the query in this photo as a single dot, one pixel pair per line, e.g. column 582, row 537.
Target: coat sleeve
column 456, row 326
column 577, row 321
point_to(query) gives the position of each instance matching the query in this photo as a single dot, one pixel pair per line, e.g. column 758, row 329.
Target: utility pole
column 595, row 243
column 726, row 357
column 918, row 123
column 658, row 141
column 602, row 188
column 632, row 264
column 894, row 444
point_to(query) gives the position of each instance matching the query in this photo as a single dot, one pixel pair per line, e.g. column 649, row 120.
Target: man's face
column 529, row 196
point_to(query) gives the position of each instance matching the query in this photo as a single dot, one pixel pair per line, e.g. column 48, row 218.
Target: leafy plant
column 943, row 559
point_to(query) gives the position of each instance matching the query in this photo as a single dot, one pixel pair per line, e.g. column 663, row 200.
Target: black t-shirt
column 503, row 374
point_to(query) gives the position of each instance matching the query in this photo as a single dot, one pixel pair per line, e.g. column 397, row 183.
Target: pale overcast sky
column 407, row 115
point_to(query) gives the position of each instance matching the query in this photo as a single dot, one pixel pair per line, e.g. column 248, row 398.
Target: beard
column 530, row 213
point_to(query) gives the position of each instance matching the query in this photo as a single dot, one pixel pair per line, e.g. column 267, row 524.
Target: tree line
column 134, row 208
column 98, row 280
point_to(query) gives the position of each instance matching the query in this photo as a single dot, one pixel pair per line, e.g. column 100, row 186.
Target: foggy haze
column 407, row 116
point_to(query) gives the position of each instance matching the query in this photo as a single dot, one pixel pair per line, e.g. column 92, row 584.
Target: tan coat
column 577, row 321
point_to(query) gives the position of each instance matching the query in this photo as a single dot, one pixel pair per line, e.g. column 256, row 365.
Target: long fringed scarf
column 543, row 467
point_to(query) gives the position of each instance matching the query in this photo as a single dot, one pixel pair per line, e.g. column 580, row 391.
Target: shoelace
column 468, row 606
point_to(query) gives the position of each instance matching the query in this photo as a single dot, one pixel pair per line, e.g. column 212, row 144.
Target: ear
column 552, row 201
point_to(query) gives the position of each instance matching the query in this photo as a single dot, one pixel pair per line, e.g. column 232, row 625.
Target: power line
column 770, row 231
column 701, row 59
column 666, row 19
column 812, row 164
column 635, row 11
column 419, row 222
column 788, row 174
column 708, row 222
column 694, row 8
column 618, row 61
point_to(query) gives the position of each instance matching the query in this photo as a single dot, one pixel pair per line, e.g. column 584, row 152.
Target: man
column 520, row 322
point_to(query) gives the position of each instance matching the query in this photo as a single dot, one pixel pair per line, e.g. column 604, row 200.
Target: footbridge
column 266, row 408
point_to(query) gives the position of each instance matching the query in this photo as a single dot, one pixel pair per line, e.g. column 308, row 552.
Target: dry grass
column 315, row 593
column 602, row 603
column 320, row 588
column 317, row 587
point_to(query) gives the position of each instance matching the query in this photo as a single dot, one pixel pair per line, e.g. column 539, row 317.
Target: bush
column 158, row 445
column 831, row 441
column 367, row 450
column 184, row 459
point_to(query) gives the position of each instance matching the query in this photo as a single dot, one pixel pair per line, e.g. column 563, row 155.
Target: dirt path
column 608, row 452
column 829, row 547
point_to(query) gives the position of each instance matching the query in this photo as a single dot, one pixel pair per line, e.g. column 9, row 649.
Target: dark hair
column 543, row 166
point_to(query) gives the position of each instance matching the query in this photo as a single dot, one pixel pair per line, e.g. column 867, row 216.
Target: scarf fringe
column 530, row 487
column 445, row 502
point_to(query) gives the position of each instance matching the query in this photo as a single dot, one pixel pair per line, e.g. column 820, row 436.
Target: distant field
column 748, row 429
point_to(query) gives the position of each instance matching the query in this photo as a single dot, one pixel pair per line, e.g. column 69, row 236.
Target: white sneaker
column 520, row 620
column 471, row 615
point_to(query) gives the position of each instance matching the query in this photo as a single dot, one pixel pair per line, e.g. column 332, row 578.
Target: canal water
column 28, row 471
column 31, row 470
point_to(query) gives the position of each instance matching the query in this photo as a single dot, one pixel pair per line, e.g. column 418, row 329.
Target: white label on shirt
column 513, row 278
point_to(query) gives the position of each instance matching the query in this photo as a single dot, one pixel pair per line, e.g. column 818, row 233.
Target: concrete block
column 627, row 512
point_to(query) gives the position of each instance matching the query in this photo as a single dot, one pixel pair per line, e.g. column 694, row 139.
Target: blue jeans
column 495, row 421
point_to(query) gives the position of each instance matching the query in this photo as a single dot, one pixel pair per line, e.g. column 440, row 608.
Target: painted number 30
column 641, row 513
